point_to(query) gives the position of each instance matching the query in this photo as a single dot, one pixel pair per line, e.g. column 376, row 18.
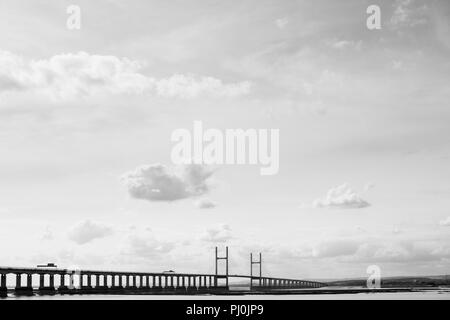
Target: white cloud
column 445, row 222
column 47, row 235
column 342, row 197
column 408, row 13
column 156, row 182
column 396, row 230
column 87, row 230
column 403, row 251
column 145, row 245
column 282, row 22
column 335, row 248
column 182, row 86
column 70, row 75
column 205, row 204
column 221, row 233
column 343, row 44
column 368, row 186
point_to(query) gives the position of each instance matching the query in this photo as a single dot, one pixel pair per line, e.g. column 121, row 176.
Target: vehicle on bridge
column 169, row 271
column 48, row 265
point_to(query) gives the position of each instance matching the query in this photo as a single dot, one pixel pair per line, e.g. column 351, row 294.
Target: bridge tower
column 258, row 262
column 217, row 276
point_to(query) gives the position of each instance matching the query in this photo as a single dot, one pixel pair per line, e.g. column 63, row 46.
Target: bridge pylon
column 217, row 275
column 258, row 262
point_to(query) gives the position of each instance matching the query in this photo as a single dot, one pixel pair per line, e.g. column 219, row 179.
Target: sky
column 86, row 117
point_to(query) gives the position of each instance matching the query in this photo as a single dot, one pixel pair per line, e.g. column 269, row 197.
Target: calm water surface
column 438, row 294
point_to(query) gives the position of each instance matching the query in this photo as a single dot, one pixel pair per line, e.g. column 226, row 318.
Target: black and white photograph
column 211, row 150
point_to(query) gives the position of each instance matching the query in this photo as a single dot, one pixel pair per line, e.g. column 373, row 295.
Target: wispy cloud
column 445, row 222
column 221, row 233
column 87, row 231
column 205, row 204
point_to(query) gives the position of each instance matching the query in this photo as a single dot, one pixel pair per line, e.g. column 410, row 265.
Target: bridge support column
column 3, row 280
column 62, row 285
column 156, row 283
column 189, row 283
column 18, row 277
column 52, row 281
column 27, row 290
column 41, row 281
column 3, row 288
column 44, row 289
column 29, row 281
column 63, row 280
column 81, row 284
column 63, row 288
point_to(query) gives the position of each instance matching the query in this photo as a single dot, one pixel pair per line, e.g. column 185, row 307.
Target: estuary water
column 437, row 294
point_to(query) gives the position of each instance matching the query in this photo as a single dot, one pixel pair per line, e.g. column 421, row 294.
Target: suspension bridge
column 51, row 280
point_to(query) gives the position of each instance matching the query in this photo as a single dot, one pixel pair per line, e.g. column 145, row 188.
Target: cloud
column 343, row 44
column 396, row 230
column 182, row 86
column 369, row 186
column 221, row 233
column 156, row 182
column 282, row 22
column 145, row 245
column 403, row 251
column 47, row 235
column 408, row 14
column 71, row 75
column 330, row 249
column 87, row 231
column 341, row 197
column 205, row 204
column 445, row 222
column 140, row 242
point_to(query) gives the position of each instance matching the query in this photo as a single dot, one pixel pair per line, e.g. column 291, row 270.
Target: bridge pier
column 26, row 290
column 50, row 289
column 62, row 286
column 147, row 282
column 169, row 283
column 89, row 282
column 3, row 288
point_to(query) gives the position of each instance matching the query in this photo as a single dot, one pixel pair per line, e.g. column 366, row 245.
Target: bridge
column 65, row 281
